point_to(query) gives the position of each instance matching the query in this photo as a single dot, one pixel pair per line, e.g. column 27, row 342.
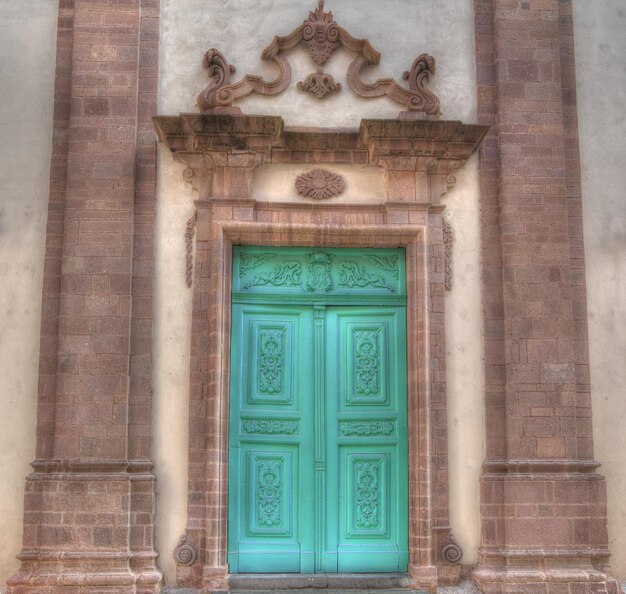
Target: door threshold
column 257, row 582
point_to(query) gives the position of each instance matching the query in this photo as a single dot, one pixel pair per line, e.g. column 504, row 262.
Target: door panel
column 366, row 438
column 318, row 429
column 269, row 486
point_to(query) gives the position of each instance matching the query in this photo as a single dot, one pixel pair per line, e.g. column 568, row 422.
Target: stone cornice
column 222, row 150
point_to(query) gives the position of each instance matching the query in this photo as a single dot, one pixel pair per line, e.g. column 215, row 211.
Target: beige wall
column 240, row 28
column 26, row 96
column 601, row 74
column 400, row 30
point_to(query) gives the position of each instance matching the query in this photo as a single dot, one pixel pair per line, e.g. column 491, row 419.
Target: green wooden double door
column 318, row 428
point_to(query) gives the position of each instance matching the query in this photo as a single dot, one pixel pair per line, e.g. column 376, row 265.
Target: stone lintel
column 221, row 151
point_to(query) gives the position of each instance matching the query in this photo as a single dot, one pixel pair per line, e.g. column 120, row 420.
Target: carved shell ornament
column 319, row 184
column 322, row 36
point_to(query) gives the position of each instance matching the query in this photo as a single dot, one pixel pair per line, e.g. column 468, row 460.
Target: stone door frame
column 225, row 234
column 419, row 156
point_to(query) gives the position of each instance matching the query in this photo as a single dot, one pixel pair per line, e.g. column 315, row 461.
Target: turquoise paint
column 318, row 424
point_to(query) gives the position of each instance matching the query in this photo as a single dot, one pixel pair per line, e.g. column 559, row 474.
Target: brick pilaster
column 543, row 505
column 89, row 506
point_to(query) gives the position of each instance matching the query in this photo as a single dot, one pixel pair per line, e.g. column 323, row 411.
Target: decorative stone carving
column 448, row 242
column 184, row 553
column 320, row 184
column 319, row 84
column 419, row 75
column 190, row 231
column 451, row 553
column 220, row 71
column 321, row 35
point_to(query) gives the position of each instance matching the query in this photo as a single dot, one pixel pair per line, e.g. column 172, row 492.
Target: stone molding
column 220, row 151
column 190, row 230
column 321, row 36
column 448, row 242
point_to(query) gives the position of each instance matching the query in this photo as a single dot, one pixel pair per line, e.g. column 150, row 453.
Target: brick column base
column 553, row 521
column 87, row 530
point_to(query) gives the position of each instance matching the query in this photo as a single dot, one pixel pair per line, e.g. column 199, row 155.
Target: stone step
column 319, row 581
column 331, row 591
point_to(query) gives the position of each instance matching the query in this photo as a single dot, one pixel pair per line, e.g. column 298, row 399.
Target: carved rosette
column 184, row 553
column 319, row 84
column 322, row 36
column 320, row 184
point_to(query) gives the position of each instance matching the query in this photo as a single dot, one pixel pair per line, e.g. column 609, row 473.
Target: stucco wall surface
column 26, row 96
column 241, row 29
column 601, row 88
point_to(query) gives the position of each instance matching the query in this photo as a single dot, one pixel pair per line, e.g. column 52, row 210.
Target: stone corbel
column 322, row 36
column 441, row 178
column 420, row 158
column 198, row 172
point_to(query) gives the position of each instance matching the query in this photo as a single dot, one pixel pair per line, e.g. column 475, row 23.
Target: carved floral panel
column 311, row 271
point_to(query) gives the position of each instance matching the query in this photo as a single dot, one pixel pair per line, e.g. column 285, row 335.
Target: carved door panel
column 366, row 429
column 271, row 438
column 318, row 423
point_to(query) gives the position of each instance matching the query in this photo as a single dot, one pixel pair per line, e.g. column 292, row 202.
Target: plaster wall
column 26, row 97
column 401, row 31
column 601, row 88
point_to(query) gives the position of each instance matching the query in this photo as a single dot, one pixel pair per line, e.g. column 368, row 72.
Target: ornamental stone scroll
column 322, row 36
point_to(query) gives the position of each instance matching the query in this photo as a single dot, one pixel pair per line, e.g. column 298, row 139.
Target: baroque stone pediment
column 322, row 36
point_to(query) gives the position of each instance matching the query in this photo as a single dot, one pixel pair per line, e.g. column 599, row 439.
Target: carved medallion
column 320, row 34
column 319, row 273
column 319, row 84
column 320, row 184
